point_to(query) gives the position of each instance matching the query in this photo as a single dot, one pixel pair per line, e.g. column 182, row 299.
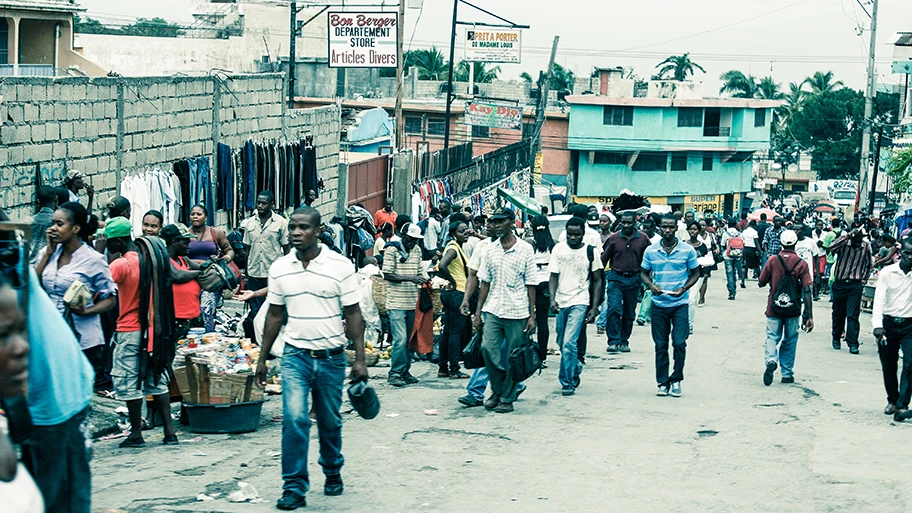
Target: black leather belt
column 627, row 275
column 322, row 354
column 898, row 320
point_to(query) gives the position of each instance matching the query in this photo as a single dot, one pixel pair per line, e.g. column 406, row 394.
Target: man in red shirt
column 385, row 214
column 127, row 381
column 781, row 330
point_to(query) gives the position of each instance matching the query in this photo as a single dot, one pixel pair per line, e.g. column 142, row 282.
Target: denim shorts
column 125, row 371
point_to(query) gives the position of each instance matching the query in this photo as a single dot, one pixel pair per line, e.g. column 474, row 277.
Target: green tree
column 431, row 64
column 900, row 168
column 409, row 59
column 829, row 125
column 739, row 85
column 90, row 26
column 821, row 82
column 526, row 77
column 562, row 79
column 483, row 74
column 768, row 89
column 153, row 27
column 679, row 67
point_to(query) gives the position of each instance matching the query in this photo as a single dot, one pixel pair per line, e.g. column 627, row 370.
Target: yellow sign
column 538, row 165
column 591, row 200
column 703, row 203
column 658, row 201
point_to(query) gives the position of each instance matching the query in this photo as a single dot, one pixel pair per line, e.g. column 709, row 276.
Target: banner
column 494, row 115
column 362, row 39
column 493, row 45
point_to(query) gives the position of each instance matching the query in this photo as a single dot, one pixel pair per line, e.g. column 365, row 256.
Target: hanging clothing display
column 428, row 194
column 153, row 189
column 226, row 172
column 286, row 169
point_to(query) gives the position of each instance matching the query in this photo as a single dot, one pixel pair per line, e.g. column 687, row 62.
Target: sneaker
column 170, row 440
column 902, row 414
column 613, row 348
column 662, row 391
column 675, row 389
column 565, row 391
column 641, row 322
column 396, row 381
column 787, row 380
column 409, row 379
column 837, row 345
column 731, row 297
column 290, row 501
column 890, row 409
column 576, row 383
column 624, row 348
column 853, row 349
column 504, row 408
column 132, row 443
column 470, row 401
column 492, row 402
column 768, row 373
column 743, row 286
column 333, row 485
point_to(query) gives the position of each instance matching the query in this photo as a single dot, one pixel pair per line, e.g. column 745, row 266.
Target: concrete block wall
column 324, row 123
column 109, row 127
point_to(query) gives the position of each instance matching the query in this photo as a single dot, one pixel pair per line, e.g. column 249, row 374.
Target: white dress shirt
column 893, row 295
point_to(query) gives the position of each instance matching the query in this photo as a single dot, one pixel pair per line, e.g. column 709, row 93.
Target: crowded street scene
column 533, row 274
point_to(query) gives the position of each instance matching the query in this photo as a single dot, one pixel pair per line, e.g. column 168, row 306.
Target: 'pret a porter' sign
column 362, row 39
column 503, row 45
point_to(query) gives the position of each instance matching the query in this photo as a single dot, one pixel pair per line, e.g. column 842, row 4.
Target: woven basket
column 370, row 359
column 379, row 291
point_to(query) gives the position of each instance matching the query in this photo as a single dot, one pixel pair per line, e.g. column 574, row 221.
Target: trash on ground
column 431, row 412
column 245, row 493
column 200, row 454
column 204, row 497
column 391, row 415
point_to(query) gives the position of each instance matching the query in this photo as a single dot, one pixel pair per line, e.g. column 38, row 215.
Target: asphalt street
column 729, row 444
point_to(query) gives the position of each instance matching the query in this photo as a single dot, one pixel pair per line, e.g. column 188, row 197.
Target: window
column 412, row 125
column 481, row 132
column 692, row 117
column 617, row 159
column 759, row 117
column 436, row 126
column 679, row 161
column 708, row 161
column 648, row 161
column 622, row 116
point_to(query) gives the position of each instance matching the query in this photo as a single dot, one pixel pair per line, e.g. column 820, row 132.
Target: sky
column 788, row 39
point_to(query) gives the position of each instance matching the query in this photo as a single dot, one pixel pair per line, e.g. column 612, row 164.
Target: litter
column 204, row 497
column 391, row 415
column 122, row 410
column 192, row 440
column 114, row 436
column 431, row 412
column 200, row 454
column 247, row 492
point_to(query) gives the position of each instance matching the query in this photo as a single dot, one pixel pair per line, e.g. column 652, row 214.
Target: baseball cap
column 413, row 231
column 72, row 175
column 788, row 238
column 503, row 213
column 117, row 228
column 175, row 231
column 592, row 218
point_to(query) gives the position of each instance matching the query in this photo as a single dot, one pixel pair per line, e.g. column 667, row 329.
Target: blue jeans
column 733, row 273
column 621, row 296
column 569, row 322
column 401, row 324
column 669, row 322
column 479, row 380
column 303, row 375
column 201, row 186
column 781, row 343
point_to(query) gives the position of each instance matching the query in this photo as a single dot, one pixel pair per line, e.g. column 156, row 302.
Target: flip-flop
column 107, row 394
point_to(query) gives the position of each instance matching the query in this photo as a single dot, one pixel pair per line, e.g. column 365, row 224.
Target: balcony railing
column 27, row 70
column 717, row 131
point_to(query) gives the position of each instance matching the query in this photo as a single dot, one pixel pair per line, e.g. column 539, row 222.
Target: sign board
column 494, row 115
column 701, row 204
column 493, row 45
column 538, row 165
column 902, row 67
column 362, row 39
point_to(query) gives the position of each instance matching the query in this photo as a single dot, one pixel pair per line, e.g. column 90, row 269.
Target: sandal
column 442, row 374
column 107, row 394
column 459, row 375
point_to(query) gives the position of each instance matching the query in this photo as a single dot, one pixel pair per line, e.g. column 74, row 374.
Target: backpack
column 216, row 276
column 786, row 301
column 735, row 247
column 525, row 360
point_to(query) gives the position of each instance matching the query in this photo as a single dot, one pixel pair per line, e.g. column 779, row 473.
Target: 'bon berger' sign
column 362, row 39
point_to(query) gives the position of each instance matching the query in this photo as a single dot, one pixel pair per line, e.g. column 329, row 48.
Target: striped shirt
column 314, row 298
column 401, row 295
column 852, row 262
column 508, row 273
column 670, row 272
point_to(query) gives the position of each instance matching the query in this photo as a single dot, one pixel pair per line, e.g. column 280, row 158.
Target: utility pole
column 291, row 53
column 870, row 92
column 400, row 71
column 449, row 90
column 536, row 143
column 878, row 144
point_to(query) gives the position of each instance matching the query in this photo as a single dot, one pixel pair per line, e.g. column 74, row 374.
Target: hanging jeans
column 201, row 187
column 226, row 178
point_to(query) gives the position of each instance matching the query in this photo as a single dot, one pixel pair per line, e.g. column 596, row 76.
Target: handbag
column 525, row 360
column 216, row 276
column 471, row 355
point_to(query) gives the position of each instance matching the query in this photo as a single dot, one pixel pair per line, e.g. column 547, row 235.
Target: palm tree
column 431, row 64
column 822, row 82
column 768, row 89
column 679, row 66
column 739, row 84
column 526, row 77
column 795, row 95
column 483, row 75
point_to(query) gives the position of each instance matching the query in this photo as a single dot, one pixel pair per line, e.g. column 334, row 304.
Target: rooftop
column 42, row 5
column 903, row 39
column 748, row 103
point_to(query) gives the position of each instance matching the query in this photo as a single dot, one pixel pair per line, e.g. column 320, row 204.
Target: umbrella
column 825, row 208
column 755, row 215
column 524, row 203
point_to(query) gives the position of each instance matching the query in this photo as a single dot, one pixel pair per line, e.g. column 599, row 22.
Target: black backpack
column 786, row 301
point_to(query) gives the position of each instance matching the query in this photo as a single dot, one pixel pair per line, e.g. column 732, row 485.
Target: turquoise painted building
column 687, row 153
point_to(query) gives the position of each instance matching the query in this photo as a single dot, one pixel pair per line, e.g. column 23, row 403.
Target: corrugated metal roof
column 41, row 5
column 905, row 39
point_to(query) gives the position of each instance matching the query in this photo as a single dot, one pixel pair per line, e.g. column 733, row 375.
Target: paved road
column 729, row 444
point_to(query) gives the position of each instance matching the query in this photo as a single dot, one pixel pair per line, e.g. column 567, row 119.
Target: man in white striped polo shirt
column 315, row 288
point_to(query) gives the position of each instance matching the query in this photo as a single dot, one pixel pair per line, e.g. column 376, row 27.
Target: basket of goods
column 380, row 294
column 371, row 355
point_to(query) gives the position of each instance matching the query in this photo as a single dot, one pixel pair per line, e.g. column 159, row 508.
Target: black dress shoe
column 290, row 501
column 837, row 345
column 853, row 349
column 333, row 485
column 902, row 414
column 890, row 409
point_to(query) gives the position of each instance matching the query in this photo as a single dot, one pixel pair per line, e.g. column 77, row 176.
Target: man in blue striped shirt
column 669, row 270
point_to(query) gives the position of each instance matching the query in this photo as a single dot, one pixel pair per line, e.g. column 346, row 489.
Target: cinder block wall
column 109, row 127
